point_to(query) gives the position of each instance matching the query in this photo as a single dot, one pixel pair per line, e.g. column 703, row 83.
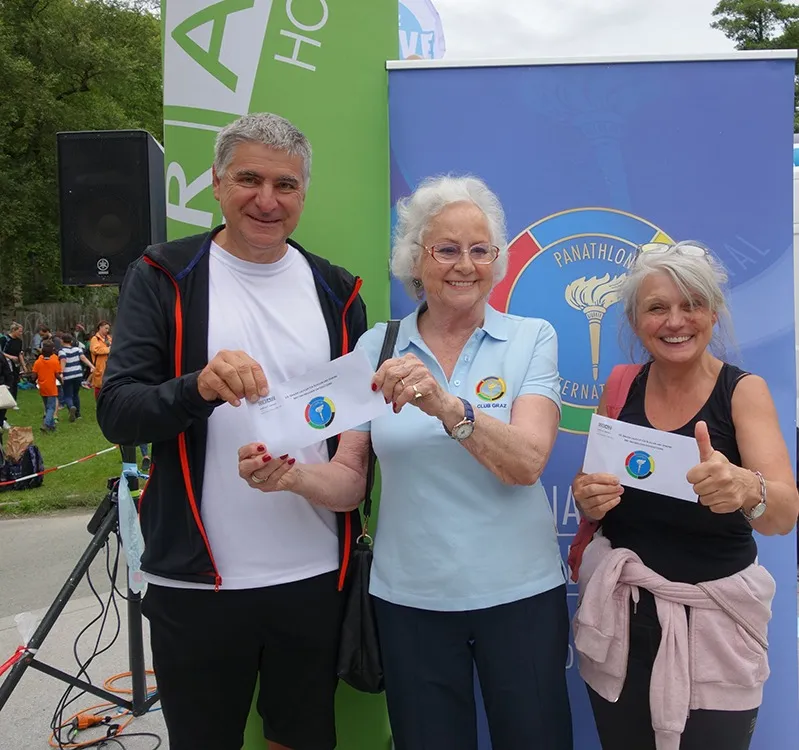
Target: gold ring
column 256, row 479
column 402, row 382
column 416, row 393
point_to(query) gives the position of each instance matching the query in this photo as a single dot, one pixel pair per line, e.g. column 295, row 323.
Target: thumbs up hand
column 703, row 441
column 721, row 486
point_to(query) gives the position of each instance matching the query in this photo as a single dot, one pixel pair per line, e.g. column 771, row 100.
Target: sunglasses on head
column 689, row 248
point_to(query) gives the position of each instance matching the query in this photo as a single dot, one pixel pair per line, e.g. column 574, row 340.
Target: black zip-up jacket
column 150, row 394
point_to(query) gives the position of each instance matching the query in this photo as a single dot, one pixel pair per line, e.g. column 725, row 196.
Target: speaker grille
column 107, row 202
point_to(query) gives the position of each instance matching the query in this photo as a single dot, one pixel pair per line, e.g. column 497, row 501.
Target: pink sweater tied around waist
column 717, row 662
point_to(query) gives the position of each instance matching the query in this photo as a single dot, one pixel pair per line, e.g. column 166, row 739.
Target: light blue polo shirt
column 451, row 536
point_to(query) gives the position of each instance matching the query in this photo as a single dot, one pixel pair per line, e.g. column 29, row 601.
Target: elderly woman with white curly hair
column 683, row 665
column 467, row 570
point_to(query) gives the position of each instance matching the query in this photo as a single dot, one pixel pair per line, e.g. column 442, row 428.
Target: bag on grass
column 19, row 438
column 31, row 462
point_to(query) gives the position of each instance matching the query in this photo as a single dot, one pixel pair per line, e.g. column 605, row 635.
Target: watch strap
column 468, row 415
column 758, row 509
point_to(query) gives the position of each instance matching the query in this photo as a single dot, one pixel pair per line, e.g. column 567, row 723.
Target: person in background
column 36, row 341
column 6, row 379
column 146, row 462
column 72, row 361
column 47, row 370
column 58, row 344
column 467, row 569
column 100, row 348
column 80, row 339
column 659, row 678
column 12, row 351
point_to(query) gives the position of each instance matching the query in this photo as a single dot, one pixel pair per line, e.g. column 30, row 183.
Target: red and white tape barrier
column 56, row 468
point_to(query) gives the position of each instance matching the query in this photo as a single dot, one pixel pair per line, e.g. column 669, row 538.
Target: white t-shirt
column 272, row 312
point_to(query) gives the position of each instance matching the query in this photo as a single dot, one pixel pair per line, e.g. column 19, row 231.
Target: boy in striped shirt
column 71, row 357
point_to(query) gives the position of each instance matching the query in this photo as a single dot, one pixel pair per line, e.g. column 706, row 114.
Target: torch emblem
column 568, row 268
column 593, row 297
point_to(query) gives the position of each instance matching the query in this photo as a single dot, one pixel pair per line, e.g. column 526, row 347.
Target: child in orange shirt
column 47, row 369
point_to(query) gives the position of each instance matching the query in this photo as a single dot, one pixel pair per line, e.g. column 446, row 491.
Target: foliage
column 761, row 24
column 754, row 24
column 64, row 65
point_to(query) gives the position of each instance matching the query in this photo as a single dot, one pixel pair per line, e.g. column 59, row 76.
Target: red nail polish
column 260, row 449
column 283, row 458
column 374, row 386
column 266, row 459
column 396, row 408
column 291, row 461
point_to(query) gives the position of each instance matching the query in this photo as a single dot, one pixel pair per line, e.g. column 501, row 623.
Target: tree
column 761, row 24
column 64, row 65
column 754, row 24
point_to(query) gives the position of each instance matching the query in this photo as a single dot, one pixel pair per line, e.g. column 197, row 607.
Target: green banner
column 321, row 64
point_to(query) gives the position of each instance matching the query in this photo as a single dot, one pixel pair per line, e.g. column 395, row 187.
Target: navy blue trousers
column 520, row 651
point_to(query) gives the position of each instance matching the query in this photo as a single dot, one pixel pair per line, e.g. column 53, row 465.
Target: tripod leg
column 136, row 655
column 50, row 617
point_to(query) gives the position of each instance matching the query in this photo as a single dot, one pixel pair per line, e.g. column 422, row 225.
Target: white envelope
column 641, row 457
column 319, row 404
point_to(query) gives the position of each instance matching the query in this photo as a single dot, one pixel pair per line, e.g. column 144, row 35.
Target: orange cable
column 108, row 685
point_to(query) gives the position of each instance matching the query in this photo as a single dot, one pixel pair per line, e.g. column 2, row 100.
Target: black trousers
column 520, row 650
column 627, row 724
column 209, row 648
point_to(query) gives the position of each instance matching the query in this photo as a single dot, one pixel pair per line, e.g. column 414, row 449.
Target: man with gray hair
column 240, row 586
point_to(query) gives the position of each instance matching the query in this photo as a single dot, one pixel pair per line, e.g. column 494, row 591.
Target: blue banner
column 589, row 161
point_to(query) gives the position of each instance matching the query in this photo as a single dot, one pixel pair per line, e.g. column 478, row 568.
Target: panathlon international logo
column 568, row 268
column 640, row 465
column 490, row 389
column 319, row 412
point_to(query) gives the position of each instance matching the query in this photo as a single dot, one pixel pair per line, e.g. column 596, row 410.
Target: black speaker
column 112, row 200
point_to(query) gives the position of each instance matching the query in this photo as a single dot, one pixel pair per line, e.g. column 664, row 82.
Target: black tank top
column 685, row 541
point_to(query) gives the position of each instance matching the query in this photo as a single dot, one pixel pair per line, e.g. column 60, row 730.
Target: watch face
column 462, row 431
column 757, row 511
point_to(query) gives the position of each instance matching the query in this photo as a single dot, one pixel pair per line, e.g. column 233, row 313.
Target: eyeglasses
column 689, row 248
column 450, row 253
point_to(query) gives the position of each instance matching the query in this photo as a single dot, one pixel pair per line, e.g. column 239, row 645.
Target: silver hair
column 14, row 327
column 269, row 129
column 415, row 213
column 700, row 277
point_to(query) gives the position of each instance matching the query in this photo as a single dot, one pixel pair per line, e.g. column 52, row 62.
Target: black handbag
column 359, row 662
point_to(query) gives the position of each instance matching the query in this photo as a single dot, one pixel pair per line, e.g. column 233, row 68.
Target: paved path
column 36, row 556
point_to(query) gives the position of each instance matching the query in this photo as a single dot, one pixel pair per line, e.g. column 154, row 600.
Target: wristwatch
column 759, row 509
column 465, row 427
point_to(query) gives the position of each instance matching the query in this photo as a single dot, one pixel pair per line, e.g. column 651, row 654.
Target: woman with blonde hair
column 672, row 620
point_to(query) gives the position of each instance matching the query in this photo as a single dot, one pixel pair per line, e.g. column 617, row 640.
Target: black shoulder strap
column 389, row 342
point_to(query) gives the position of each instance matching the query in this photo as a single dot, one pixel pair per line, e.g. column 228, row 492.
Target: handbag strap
column 618, row 387
column 389, row 341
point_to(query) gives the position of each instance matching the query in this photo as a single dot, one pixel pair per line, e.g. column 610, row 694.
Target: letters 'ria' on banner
column 321, row 64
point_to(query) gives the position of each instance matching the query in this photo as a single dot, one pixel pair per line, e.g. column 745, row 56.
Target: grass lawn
column 82, row 485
